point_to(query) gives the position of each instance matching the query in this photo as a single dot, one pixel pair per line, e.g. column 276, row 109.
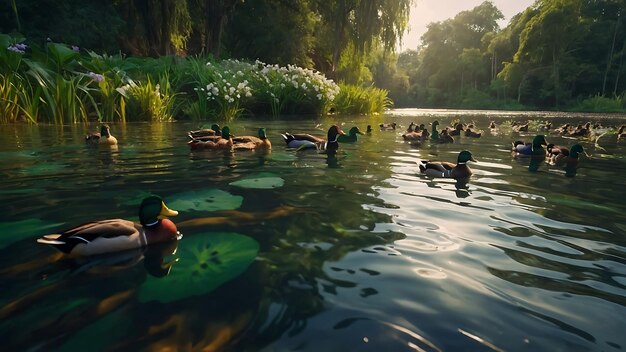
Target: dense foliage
column 557, row 54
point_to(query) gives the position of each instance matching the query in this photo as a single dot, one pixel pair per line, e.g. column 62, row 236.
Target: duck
column 213, row 132
column 224, row 142
column 563, row 129
column 456, row 131
column 621, row 134
column 368, row 129
column 530, row 149
column 445, row 137
column 103, row 138
column 492, row 125
column 434, row 134
column 261, row 142
column 332, row 144
column 545, row 126
column 516, row 127
column 417, row 135
column 581, row 130
column 114, row 235
column 351, row 137
column 471, row 133
column 388, row 126
column 559, row 155
column 444, row 169
column 302, row 141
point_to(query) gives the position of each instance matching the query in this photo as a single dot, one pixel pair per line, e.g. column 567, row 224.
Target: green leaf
column 204, row 200
column 264, row 180
column 205, row 262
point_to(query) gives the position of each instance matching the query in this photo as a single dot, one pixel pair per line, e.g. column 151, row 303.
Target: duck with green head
column 115, row 235
column 332, row 141
column 206, row 133
column 261, row 142
column 351, row 137
column 444, row 169
column 563, row 156
column 434, row 134
column 224, row 142
column 535, row 148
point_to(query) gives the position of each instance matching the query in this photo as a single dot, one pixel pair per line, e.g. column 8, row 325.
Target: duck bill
column 166, row 212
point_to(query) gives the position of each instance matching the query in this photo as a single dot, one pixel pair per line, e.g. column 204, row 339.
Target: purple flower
column 15, row 49
column 75, row 48
column 96, row 77
column 21, row 46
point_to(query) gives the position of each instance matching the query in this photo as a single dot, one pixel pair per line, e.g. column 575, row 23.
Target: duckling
column 114, row 235
column 351, row 137
column 458, row 128
column 621, row 134
column 581, row 130
column 471, row 133
column 516, row 127
column 444, row 169
column 103, row 138
column 369, row 129
column 545, row 126
column 492, row 125
column 563, row 129
column 388, row 126
column 411, row 127
column 445, row 137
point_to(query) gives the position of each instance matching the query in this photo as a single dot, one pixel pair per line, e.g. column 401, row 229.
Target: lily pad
column 264, row 180
column 204, row 200
column 18, row 230
column 205, row 262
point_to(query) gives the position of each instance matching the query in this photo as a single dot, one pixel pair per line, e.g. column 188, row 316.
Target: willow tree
column 361, row 23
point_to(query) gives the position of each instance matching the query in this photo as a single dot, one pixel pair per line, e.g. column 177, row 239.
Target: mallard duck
column 581, row 130
column 516, row 127
column 350, row 137
column 559, row 155
column 117, row 234
column 444, row 169
column 434, row 134
column 530, row 149
column 471, row 133
column 332, row 142
column 456, row 131
column 388, row 126
column 251, row 142
column 303, row 141
column 215, row 131
column 225, row 142
column 103, row 138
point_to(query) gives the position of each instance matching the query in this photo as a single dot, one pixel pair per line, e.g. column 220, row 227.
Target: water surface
column 360, row 252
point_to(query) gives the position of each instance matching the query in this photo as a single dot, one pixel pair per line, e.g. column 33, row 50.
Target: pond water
column 287, row 250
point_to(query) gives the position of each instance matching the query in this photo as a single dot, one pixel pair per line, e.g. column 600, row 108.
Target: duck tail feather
column 44, row 240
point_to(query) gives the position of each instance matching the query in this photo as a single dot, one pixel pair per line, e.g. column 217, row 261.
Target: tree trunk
column 610, row 61
column 619, row 69
column 166, row 30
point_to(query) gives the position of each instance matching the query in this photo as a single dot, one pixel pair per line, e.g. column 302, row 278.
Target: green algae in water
column 204, row 200
column 205, row 262
column 264, row 180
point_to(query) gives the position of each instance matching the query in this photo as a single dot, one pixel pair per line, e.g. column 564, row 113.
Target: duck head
column 333, row 132
column 575, row 150
column 152, row 210
column 262, row 134
column 215, row 127
column 464, row 157
column 226, row 132
column 434, row 125
column 105, row 131
column 354, row 131
column 369, row 129
column 539, row 140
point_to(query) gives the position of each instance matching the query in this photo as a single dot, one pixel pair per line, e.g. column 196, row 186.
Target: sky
column 424, row 12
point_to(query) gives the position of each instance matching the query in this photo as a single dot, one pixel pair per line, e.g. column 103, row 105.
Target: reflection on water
column 290, row 250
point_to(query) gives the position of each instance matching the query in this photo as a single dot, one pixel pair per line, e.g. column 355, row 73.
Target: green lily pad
column 205, row 262
column 264, row 180
column 204, row 200
column 14, row 231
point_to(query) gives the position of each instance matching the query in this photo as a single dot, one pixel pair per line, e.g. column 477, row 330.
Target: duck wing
column 308, row 137
column 105, row 228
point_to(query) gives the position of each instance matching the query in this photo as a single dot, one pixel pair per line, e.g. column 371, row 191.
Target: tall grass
column 600, row 103
column 56, row 83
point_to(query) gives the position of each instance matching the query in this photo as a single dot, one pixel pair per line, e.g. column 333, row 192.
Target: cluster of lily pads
column 61, row 83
